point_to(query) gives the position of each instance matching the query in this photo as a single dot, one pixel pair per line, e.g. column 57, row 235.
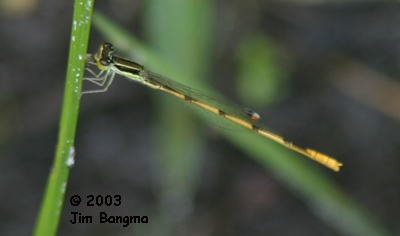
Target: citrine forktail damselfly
column 110, row 65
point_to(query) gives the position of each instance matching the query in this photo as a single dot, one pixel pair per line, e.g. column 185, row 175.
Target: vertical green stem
column 50, row 210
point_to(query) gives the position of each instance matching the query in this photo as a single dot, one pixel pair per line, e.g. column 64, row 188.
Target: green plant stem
column 50, row 210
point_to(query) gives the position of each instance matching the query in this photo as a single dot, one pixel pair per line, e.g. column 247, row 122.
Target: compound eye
column 108, row 46
column 105, row 61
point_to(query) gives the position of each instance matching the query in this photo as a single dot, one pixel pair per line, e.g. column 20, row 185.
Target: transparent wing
column 241, row 112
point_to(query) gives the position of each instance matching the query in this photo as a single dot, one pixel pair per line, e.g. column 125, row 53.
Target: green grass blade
column 177, row 163
column 51, row 207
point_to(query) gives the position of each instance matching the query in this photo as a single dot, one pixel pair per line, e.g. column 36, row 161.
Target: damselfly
column 110, row 65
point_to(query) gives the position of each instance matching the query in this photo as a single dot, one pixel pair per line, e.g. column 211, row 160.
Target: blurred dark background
column 339, row 63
